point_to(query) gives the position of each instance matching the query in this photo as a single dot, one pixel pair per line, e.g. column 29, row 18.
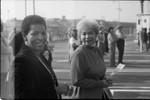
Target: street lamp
column 34, row 7
column 119, row 9
column 8, row 14
column 25, row 8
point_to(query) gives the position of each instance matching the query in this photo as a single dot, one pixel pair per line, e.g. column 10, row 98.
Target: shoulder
column 79, row 51
column 117, row 31
column 71, row 40
column 24, row 63
column 109, row 35
column 21, row 58
column 98, row 49
column 25, row 56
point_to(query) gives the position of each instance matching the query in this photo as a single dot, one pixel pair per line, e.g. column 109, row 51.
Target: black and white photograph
column 75, row 49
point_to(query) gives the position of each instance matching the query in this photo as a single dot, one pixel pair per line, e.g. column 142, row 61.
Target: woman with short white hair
column 87, row 63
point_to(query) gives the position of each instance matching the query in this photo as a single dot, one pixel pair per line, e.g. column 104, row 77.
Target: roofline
column 142, row 14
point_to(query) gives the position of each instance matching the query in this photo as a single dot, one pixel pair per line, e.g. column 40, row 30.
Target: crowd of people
column 28, row 64
column 144, row 39
column 107, row 41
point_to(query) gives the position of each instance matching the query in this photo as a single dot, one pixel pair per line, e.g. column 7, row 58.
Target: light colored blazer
column 6, row 55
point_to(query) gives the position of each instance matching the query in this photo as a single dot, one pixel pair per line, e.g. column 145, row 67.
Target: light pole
column 119, row 9
column 8, row 14
column 25, row 8
column 34, row 7
column 119, row 12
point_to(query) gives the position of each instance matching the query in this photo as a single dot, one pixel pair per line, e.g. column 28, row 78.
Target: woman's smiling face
column 36, row 37
column 88, row 36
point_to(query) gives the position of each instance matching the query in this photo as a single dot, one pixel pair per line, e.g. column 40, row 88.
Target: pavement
column 132, row 82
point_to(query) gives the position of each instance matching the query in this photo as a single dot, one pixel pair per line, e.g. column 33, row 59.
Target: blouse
column 87, row 72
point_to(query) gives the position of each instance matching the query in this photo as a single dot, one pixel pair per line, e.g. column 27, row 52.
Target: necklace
column 48, row 69
column 51, row 72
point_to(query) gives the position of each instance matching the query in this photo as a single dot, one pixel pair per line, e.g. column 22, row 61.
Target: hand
column 50, row 47
column 70, row 91
column 46, row 54
column 62, row 88
column 107, row 83
column 109, row 80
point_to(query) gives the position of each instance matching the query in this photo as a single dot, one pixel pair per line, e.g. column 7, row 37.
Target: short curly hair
column 31, row 20
column 88, row 23
column 110, row 29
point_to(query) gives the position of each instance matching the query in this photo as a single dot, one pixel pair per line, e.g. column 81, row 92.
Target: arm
column 110, row 39
column 123, row 35
column 72, row 43
column 120, row 34
column 78, row 72
column 6, row 49
column 74, row 46
column 23, row 79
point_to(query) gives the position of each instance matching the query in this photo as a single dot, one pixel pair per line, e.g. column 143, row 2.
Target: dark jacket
column 32, row 80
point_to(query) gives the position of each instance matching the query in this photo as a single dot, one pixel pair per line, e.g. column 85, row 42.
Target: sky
column 96, row 9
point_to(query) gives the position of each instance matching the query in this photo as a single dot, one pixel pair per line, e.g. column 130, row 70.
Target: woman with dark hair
column 112, row 45
column 34, row 77
column 16, row 42
column 101, row 39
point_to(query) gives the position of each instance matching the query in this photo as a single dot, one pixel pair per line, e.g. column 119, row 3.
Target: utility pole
column 25, row 8
column 119, row 10
column 142, row 6
column 148, row 6
column 34, row 7
column 8, row 14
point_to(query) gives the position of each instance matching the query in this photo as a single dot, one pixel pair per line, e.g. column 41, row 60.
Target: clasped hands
column 107, row 81
column 64, row 89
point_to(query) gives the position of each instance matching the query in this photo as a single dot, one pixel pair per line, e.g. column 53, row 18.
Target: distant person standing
column 12, row 35
column 73, row 42
column 101, row 40
column 106, row 41
column 141, row 39
column 145, row 40
column 138, row 38
column 112, row 45
column 120, row 42
column 69, row 33
column 148, row 39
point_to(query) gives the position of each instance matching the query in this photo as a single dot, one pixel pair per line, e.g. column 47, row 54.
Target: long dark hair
column 110, row 29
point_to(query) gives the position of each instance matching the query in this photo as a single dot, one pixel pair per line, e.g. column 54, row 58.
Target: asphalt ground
column 133, row 82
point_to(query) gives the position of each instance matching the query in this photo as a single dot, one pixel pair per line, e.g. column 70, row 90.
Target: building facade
column 143, row 21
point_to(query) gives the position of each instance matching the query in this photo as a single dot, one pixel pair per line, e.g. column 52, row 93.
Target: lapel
column 32, row 58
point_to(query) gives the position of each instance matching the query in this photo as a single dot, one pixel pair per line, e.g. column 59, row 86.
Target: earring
column 25, row 39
